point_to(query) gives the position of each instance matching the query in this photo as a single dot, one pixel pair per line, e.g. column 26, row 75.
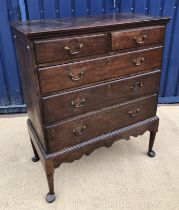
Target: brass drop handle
column 138, row 61
column 134, row 113
column 66, row 48
column 141, row 39
column 78, row 102
column 137, row 84
column 79, row 131
column 76, row 77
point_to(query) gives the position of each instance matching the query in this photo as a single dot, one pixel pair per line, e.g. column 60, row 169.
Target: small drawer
column 69, row 104
column 66, row 76
column 137, row 37
column 59, row 49
column 77, row 130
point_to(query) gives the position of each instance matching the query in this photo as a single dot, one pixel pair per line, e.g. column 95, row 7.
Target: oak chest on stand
column 87, row 82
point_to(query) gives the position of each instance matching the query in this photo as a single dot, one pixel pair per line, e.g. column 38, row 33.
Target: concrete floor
column 119, row 178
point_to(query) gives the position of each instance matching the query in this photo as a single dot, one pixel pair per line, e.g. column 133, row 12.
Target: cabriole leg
column 36, row 156
column 151, row 153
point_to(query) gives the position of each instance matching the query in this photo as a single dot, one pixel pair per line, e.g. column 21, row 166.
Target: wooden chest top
column 73, row 25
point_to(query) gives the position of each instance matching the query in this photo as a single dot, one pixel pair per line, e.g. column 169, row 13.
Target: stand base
column 54, row 160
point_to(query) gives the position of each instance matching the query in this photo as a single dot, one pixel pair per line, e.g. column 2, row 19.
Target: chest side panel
column 28, row 74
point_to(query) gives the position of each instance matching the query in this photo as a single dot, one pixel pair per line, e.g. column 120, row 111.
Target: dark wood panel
column 30, row 84
column 74, row 75
column 137, row 37
column 68, row 104
column 77, row 25
column 51, row 50
column 82, row 128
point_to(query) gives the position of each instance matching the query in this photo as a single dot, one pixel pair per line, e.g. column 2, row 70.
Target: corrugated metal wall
column 11, row 99
column 10, row 88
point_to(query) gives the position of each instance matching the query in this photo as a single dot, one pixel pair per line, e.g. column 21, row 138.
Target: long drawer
column 58, row 49
column 137, row 37
column 68, row 104
column 74, row 131
column 66, row 76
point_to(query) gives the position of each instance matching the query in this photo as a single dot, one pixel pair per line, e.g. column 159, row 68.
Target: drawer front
column 77, row 130
column 54, row 50
column 74, row 75
column 137, row 37
column 65, row 105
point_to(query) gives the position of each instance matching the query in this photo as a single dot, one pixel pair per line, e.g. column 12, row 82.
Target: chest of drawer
column 59, row 49
column 86, row 127
column 137, row 37
column 88, row 82
column 66, row 76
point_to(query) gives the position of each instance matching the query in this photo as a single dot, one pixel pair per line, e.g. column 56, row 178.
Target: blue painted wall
column 11, row 99
column 10, row 87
